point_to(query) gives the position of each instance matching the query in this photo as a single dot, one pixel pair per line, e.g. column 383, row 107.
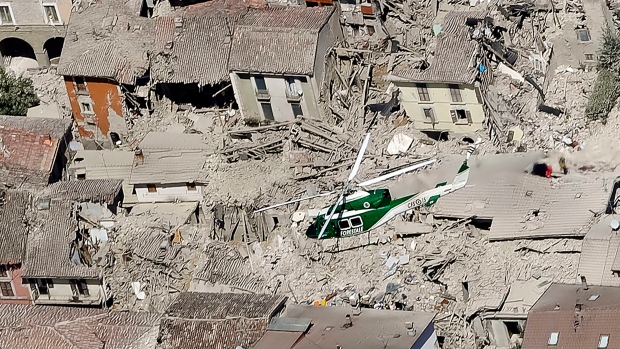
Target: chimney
column 584, row 283
column 139, row 158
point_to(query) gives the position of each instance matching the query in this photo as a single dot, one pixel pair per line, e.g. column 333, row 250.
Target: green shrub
column 604, row 95
column 16, row 94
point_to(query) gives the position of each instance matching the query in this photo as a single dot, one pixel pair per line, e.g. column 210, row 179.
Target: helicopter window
column 344, row 224
column 356, row 222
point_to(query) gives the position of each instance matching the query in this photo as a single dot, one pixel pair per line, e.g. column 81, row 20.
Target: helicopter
column 364, row 210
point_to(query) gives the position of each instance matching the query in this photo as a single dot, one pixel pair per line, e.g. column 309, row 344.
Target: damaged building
column 13, row 235
column 277, row 61
column 445, row 95
column 41, row 141
column 168, row 167
column 103, row 61
column 189, row 65
column 71, row 225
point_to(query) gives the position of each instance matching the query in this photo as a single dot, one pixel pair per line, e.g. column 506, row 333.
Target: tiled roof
column 279, row 41
column 13, row 230
column 213, row 306
column 48, row 247
column 200, row 40
column 224, row 265
column 599, row 254
column 556, row 312
column 173, row 141
column 173, row 166
column 30, row 145
column 96, row 190
column 217, row 320
column 527, row 206
column 274, row 50
column 220, row 334
column 107, row 39
column 455, row 54
column 47, row 327
column 305, row 18
column 371, row 329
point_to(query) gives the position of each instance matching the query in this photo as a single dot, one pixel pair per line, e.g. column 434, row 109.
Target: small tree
column 16, row 94
column 609, row 53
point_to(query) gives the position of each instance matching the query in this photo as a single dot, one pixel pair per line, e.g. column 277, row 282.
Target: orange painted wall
column 104, row 95
column 22, row 292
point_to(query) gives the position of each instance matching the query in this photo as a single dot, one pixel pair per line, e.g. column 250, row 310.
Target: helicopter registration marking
column 352, row 232
column 415, row 203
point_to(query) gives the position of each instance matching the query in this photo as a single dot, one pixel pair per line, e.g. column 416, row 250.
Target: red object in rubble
column 548, row 172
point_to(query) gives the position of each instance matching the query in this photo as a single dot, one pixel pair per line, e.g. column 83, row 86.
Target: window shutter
column 453, row 115
column 74, row 288
column 468, row 116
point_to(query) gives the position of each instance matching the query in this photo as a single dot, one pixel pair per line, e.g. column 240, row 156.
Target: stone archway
column 14, row 47
column 53, row 48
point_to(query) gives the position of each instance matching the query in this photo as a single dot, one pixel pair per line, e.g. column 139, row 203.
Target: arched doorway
column 14, row 47
column 53, row 48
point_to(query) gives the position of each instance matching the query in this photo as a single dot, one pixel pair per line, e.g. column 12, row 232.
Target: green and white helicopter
column 365, row 210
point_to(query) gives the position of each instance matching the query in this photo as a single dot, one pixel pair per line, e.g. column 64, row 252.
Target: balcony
column 293, row 95
column 262, row 95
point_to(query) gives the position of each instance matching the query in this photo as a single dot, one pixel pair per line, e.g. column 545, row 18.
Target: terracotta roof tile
column 13, row 229
column 198, row 305
column 107, row 40
column 47, row 327
column 30, row 145
column 199, row 52
column 96, row 190
column 599, row 254
column 278, row 41
column 527, row 206
column 454, row 60
column 48, row 247
column 556, row 312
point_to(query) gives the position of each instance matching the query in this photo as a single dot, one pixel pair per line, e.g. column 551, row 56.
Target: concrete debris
column 529, row 74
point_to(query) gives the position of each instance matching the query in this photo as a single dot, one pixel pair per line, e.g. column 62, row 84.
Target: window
column 594, row 297
column 344, row 224
column 43, row 287
column 583, row 34
column 4, row 271
column 290, row 85
column 6, row 289
column 297, row 109
column 260, row 83
column 6, row 15
column 51, row 14
column 86, row 107
column 83, row 288
column 589, row 56
column 461, row 116
column 423, row 92
column 356, row 222
column 191, row 186
column 455, row 93
column 152, row 188
column 80, row 84
column 429, row 115
column 603, row 341
column 267, row 111
column 81, row 176
column 553, row 338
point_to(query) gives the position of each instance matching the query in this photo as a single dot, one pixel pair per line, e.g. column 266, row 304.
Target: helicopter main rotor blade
column 360, row 156
column 294, row 201
column 396, row 173
column 331, row 214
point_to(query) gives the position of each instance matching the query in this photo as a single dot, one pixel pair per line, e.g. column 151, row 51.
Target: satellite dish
column 615, row 224
column 75, row 146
